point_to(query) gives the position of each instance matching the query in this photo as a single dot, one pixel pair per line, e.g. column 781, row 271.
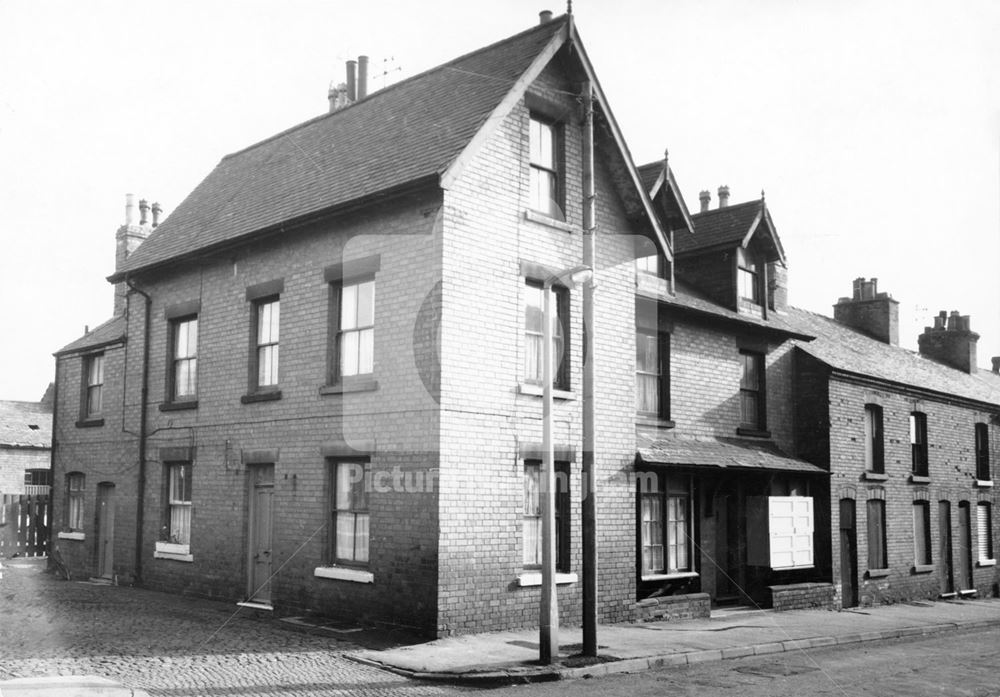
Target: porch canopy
column 722, row 453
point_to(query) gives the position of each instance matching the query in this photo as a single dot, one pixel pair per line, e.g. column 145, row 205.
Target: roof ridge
column 538, row 27
column 755, row 201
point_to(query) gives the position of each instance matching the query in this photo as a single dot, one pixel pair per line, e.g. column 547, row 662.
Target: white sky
column 874, row 128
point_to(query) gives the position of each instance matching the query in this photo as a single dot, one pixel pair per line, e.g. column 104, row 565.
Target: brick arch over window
column 875, row 493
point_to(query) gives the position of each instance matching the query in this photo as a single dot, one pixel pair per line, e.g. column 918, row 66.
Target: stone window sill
column 644, row 420
column 343, row 573
column 534, row 578
column 923, row 568
column 792, row 568
column 541, row 218
column 919, row 479
column 676, row 576
column 984, row 483
column 269, row 396
column 169, row 550
column 878, row 573
column 753, row 432
column 179, row 406
column 89, row 423
column 986, row 562
column 876, row 476
column 71, row 536
column 537, row 391
column 363, row 385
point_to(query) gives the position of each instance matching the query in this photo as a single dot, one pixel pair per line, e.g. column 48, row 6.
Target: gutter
column 140, row 498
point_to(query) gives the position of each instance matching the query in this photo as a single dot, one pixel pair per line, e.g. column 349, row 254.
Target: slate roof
column 396, row 136
column 848, row 350
column 687, row 298
column 722, row 453
column 719, row 226
column 649, row 173
column 110, row 332
column 16, row 421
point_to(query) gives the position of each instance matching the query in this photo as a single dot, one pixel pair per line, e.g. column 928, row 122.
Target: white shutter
column 983, row 531
column 791, row 531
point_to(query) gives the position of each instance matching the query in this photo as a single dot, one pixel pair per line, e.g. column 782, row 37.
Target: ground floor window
column 74, row 501
column 984, row 530
column 665, row 524
column 351, row 518
column 532, row 515
column 179, row 503
column 878, row 557
column 921, row 533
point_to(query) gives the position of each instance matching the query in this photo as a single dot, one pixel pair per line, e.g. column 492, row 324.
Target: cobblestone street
column 169, row 645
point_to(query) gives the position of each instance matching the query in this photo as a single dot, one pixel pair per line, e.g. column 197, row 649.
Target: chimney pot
column 143, row 211
column 723, row 196
column 544, row 16
column 362, row 77
column 157, row 210
column 352, row 80
column 996, row 364
column 129, row 209
column 706, row 198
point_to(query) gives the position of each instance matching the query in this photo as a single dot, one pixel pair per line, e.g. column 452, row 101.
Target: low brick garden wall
column 801, row 596
column 671, row 607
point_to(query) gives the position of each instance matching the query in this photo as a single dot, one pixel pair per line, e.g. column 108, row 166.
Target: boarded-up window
column 877, row 555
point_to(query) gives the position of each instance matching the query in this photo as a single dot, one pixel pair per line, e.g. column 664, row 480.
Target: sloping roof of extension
column 729, row 226
column 412, row 132
column 111, row 332
column 25, row 425
column 686, row 298
column 847, row 350
column 722, row 453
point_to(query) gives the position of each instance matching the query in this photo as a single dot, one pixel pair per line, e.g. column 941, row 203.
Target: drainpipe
column 140, row 498
column 589, row 413
column 52, row 465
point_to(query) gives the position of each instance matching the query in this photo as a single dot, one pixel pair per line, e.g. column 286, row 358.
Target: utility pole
column 589, row 474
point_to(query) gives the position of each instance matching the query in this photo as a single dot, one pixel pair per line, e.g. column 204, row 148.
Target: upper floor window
column 652, row 372
column 982, row 452
column 748, row 277
column 534, row 327
column 545, row 164
column 355, row 342
column 74, row 501
column 752, row 412
column 652, row 264
column 268, row 315
column 918, row 442
column 184, row 358
column 93, row 400
column 874, row 443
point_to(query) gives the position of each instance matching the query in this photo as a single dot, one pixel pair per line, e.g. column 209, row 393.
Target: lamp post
column 548, row 611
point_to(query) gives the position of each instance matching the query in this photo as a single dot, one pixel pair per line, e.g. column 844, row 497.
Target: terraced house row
column 321, row 386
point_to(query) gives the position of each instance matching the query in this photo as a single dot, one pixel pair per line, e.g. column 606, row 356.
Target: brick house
column 320, row 390
column 910, row 441
column 26, row 446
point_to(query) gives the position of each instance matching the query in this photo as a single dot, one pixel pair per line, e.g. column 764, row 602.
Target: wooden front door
column 848, row 554
column 964, row 570
column 944, row 534
column 259, row 566
column 106, row 530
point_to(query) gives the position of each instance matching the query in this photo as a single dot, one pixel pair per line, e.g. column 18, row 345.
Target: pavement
column 512, row 657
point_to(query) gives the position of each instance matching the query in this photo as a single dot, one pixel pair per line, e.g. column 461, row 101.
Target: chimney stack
column 870, row 312
column 951, row 341
column 996, row 364
column 127, row 238
column 352, row 80
column 362, row 77
column 706, row 198
column 157, row 210
column 723, row 196
column 143, row 212
column 544, row 16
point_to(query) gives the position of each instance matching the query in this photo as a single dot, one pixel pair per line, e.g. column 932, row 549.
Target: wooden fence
column 24, row 525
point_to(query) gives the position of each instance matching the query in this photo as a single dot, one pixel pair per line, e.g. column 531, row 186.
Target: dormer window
column 748, row 277
column 652, row 264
